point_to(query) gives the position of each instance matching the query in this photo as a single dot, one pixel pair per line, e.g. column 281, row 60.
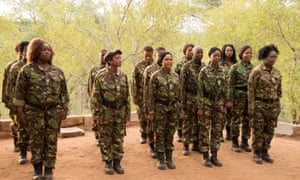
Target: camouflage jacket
column 91, row 78
column 264, row 83
column 164, row 88
column 38, row 88
column 146, row 79
column 179, row 65
column 12, row 80
column 5, row 97
column 226, row 67
column 189, row 80
column 137, row 82
column 238, row 80
column 211, row 86
column 110, row 88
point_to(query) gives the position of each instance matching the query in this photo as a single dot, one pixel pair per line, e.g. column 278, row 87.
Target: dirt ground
column 79, row 158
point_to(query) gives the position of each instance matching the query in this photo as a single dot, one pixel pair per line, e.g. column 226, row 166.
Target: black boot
column 266, row 157
column 235, row 144
column 257, row 157
column 23, row 154
column 38, row 169
column 228, row 133
column 152, row 151
column 245, row 145
column 48, row 173
column 214, row 159
column 108, row 169
column 207, row 162
column 170, row 162
column 117, row 166
column 161, row 161
column 195, row 146
column 185, row 150
column 179, row 135
column 143, row 138
column 16, row 146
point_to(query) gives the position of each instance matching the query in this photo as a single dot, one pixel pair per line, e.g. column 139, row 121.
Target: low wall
column 86, row 122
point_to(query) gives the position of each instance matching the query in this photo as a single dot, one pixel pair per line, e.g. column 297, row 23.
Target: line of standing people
column 211, row 97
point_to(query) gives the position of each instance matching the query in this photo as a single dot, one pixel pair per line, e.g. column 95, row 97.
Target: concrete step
column 71, row 132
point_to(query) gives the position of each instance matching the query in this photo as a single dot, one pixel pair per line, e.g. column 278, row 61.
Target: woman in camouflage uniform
column 111, row 109
column 228, row 58
column 42, row 100
column 211, row 106
column 164, row 108
column 264, row 93
column 184, row 126
column 238, row 100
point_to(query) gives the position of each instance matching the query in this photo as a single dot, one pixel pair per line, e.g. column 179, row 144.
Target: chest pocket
column 113, row 88
column 163, row 89
column 37, row 79
column 108, row 89
column 211, row 82
column 276, row 79
column 54, row 83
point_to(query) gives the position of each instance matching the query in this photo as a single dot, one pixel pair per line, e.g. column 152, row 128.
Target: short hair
column 265, row 51
column 223, row 54
column 148, row 49
column 212, row 50
column 22, row 46
column 160, row 49
column 34, row 49
column 162, row 56
column 186, row 46
column 242, row 50
column 109, row 56
column 103, row 51
column 196, row 48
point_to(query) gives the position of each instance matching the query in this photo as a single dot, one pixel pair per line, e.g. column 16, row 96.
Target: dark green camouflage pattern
column 137, row 93
column 111, row 107
column 91, row 79
column 264, row 93
column 237, row 92
column 44, row 96
column 211, row 99
column 23, row 136
column 146, row 78
column 164, row 101
column 189, row 83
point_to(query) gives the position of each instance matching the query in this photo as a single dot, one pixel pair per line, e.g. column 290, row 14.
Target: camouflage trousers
column 142, row 117
column 164, row 126
column 112, row 133
column 191, row 126
column 240, row 116
column 210, row 127
column 23, row 133
column 43, row 127
column 13, row 124
column 226, row 120
column 95, row 128
column 150, row 132
column 263, row 123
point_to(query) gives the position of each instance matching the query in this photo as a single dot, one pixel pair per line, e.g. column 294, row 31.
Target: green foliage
column 79, row 29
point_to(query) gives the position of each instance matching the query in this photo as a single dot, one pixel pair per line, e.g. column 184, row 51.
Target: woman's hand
column 200, row 112
column 251, row 112
column 21, row 114
column 229, row 105
column 151, row 116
